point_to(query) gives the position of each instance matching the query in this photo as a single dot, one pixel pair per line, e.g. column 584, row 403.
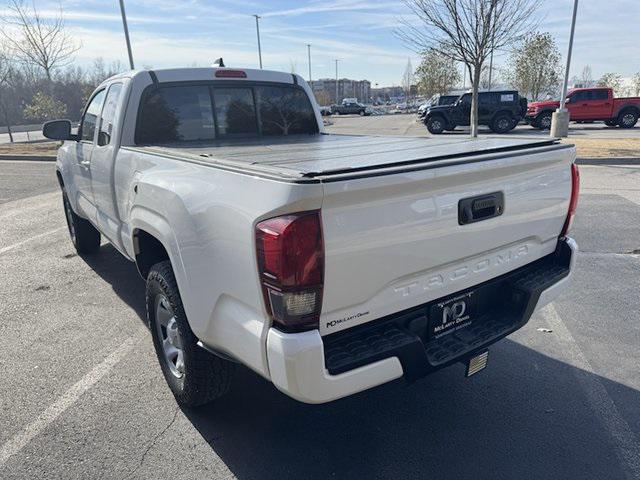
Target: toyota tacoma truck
column 587, row 105
column 328, row 264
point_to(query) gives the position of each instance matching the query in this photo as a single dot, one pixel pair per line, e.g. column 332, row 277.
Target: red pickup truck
column 588, row 104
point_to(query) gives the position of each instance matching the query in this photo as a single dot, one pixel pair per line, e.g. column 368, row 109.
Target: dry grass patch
column 36, row 148
column 606, row 147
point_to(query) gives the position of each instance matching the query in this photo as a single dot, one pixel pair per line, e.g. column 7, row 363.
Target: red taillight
column 573, row 202
column 291, row 268
column 231, row 74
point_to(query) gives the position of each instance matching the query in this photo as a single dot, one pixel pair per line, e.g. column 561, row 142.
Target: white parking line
column 35, row 237
column 627, row 446
column 18, row 442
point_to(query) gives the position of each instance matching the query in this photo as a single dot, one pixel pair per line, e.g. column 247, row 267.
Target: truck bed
column 315, row 157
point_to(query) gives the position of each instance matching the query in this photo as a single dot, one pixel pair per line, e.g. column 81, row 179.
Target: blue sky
column 359, row 33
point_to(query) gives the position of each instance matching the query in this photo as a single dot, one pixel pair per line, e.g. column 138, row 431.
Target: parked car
column 587, row 105
column 499, row 110
column 436, row 100
column 350, row 108
column 328, row 264
column 325, row 111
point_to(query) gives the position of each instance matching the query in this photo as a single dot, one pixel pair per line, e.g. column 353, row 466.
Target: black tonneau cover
column 308, row 157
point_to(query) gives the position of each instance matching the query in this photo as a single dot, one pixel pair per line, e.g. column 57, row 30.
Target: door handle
column 85, row 163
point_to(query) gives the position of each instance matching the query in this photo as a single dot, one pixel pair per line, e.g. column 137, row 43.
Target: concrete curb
column 608, row 160
column 31, row 158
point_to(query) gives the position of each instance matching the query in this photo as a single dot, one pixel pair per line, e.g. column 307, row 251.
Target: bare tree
column 37, row 40
column 100, row 71
column 467, row 31
column 6, row 73
column 635, row 83
column 407, row 79
column 534, row 66
column 586, row 77
column 436, row 74
column 611, row 80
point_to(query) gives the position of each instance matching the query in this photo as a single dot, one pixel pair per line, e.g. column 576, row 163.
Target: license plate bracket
column 452, row 314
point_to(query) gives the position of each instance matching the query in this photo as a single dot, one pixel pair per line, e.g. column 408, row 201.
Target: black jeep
column 499, row 110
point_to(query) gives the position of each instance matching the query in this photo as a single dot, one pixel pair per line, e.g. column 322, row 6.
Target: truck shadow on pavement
column 526, row 416
column 122, row 275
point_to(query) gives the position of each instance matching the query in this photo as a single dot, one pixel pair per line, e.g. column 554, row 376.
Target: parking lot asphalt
column 409, row 125
column 82, row 395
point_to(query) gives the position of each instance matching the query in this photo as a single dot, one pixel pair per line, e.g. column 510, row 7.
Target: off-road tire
column 435, row 125
column 544, row 121
column 84, row 236
column 206, row 376
column 628, row 119
column 502, row 123
column 611, row 123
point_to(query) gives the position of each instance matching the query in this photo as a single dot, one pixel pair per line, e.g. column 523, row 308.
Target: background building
column 325, row 90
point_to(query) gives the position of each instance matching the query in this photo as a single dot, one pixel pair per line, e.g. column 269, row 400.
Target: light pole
column 309, row 56
column 126, row 33
column 560, row 118
column 258, row 33
column 336, row 60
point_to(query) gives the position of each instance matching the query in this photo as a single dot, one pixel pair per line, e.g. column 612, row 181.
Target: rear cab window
column 196, row 113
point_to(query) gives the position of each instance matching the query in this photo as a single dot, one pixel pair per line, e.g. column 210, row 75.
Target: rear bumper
column 313, row 369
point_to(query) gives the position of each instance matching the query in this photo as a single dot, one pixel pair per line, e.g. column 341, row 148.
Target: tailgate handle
column 482, row 207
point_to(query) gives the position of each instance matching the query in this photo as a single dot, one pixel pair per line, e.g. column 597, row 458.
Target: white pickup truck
column 329, row 264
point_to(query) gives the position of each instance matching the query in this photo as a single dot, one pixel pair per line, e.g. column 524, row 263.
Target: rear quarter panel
column 205, row 217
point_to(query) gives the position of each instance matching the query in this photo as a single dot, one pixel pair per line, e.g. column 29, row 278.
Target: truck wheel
column 502, row 123
column 611, row 123
column 194, row 375
column 84, row 236
column 362, row 113
column 628, row 119
column 435, row 125
column 544, row 121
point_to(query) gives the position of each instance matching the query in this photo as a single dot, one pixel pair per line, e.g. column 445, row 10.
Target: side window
column 484, row 99
column 88, row 126
column 108, row 114
column 285, row 111
column 235, row 111
column 176, row 114
column 466, row 99
column 579, row 97
column 600, row 94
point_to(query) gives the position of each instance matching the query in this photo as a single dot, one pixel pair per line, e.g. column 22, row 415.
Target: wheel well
column 502, row 112
column 632, row 108
column 437, row 115
column 149, row 251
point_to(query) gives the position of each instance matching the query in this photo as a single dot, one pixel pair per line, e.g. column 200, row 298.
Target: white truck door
column 102, row 159
column 81, row 166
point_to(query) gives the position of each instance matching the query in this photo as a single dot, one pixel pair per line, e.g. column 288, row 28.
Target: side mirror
column 567, row 100
column 58, row 130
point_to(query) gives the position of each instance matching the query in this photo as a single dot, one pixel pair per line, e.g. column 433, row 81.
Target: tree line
column 534, row 68
column 38, row 80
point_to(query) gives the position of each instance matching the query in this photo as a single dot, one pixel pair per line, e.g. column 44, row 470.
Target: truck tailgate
column 393, row 239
